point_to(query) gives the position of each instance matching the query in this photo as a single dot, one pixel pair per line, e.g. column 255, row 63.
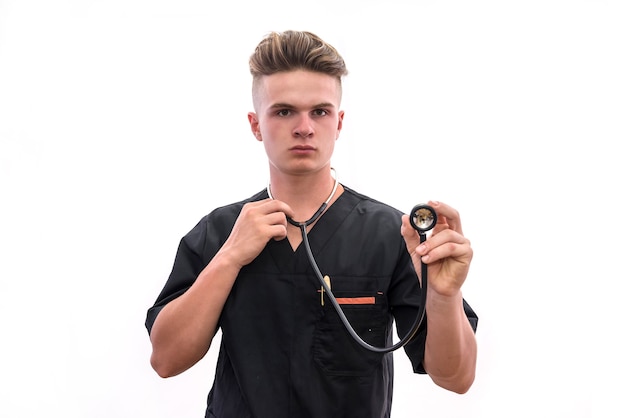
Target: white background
column 123, row 122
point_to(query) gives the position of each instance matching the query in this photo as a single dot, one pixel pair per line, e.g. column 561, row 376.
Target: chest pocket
column 334, row 349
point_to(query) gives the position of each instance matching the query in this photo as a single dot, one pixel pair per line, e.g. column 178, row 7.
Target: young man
column 243, row 268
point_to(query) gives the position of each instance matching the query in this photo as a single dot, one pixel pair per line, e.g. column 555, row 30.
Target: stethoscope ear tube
column 422, row 218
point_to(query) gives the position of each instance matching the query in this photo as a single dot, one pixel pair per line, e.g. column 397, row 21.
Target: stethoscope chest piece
column 423, row 218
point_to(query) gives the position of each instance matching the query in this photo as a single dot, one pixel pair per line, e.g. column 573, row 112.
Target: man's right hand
column 257, row 223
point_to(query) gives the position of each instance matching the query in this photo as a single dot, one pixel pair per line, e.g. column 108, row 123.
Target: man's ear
column 339, row 124
column 254, row 125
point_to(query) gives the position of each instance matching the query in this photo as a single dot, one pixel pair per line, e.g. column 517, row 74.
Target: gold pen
column 327, row 281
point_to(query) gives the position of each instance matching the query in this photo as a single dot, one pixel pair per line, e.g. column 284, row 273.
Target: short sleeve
column 195, row 251
column 188, row 264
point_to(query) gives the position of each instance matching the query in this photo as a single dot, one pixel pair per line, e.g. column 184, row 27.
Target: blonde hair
column 295, row 50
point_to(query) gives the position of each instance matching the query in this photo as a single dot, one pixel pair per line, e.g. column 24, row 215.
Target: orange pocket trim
column 370, row 300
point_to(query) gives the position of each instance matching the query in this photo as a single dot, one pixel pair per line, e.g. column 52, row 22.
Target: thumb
column 411, row 237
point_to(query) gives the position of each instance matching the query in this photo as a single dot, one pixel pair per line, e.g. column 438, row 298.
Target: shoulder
column 220, row 221
column 232, row 210
column 368, row 205
column 371, row 216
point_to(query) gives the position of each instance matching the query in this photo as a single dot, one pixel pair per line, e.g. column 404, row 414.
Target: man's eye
column 320, row 112
column 284, row 112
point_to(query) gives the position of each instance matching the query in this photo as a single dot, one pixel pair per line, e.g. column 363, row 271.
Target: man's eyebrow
column 282, row 106
column 324, row 104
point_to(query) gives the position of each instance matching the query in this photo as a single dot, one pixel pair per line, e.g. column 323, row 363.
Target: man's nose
column 304, row 127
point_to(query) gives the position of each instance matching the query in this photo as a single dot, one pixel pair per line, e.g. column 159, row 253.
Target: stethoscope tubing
column 416, row 324
column 424, row 271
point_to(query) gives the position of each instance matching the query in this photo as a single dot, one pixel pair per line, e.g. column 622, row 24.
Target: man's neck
column 304, row 193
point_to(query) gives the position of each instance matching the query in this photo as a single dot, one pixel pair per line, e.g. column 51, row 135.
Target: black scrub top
column 283, row 353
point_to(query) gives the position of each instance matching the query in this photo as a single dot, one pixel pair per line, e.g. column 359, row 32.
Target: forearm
column 183, row 330
column 450, row 354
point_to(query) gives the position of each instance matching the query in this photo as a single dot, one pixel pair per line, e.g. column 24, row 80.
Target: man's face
column 298, row 119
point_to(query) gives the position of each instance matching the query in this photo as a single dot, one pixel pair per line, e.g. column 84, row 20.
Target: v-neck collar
column 288, row 259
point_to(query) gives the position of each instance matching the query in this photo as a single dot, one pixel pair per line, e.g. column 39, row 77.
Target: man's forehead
column 297, row 88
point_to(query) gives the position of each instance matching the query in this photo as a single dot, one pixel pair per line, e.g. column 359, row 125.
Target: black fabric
column 283, row 354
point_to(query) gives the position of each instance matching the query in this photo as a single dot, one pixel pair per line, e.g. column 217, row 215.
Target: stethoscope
column 422, row 218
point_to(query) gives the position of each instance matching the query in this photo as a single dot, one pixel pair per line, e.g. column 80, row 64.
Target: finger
column 410, row 235
column 275, row 218
column 264, row 219
column 447, row 215
column 442, row 225
column 277, row 232
column 459, row 252
column 267, row 206
column 406, row 229
column 446, row 244
column 273, row 205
